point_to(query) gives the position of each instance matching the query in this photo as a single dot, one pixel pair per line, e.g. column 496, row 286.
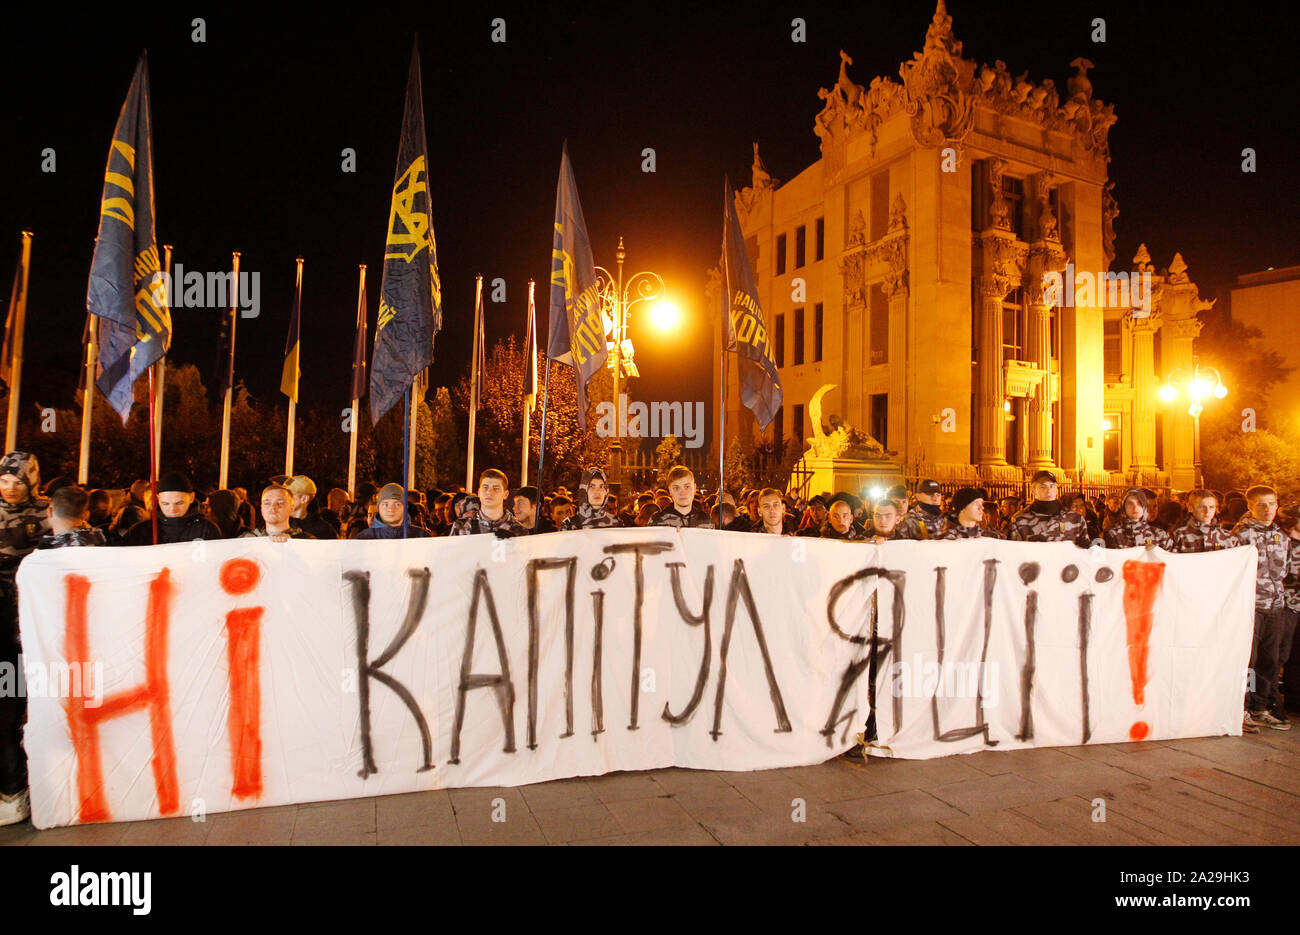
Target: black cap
column 929, row 486
column 966, row 496
column 897, row 492
column 820, row 498
column 175, row 481
column 1043, row 477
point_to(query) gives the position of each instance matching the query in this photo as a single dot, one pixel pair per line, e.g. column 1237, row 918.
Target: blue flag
column 127, row 289
column 577, row 329
column 410, row 295
column 747, row 334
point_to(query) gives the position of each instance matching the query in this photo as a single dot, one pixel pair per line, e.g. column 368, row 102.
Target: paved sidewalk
column 1224, row 790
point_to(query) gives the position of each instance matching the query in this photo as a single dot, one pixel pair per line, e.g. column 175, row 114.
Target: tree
column 447, row 454
column 740, row 473
column 667, row 455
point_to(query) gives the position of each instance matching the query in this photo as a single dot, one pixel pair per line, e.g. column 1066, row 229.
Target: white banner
column 213, row 676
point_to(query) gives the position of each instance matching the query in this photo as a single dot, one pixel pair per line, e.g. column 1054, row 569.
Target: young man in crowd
column 304, row 516
column 815, row 518
column 1258, row 529
column 966, row 521
column 771, row 514
column 1045, row 520
column 24, row 519
column 593, row 492
column 683, row 511
column 1201, row 532
column 884, row 522
column 492, row 516
column 179, row 517
column 561, row 508
column 1134, row 528
column 277, row 509
column 839, row 524
column 69, row 526
column 925, row 520
column 387, row 523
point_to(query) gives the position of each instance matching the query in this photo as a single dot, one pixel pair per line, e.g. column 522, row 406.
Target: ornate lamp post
column 617, row 299
column 1199, row 383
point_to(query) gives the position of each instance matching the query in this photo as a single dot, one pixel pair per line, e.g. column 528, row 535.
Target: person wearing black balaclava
column 925, row 520
column 1045, row 519
column 593, row 494
column 179, row 517
column 23, row 521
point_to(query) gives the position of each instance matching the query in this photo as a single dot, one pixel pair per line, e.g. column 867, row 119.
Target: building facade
column 1270, row 301
column 945, row 267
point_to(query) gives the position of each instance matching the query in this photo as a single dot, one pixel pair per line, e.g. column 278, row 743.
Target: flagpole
column 293, row 403
column 153, row 461
column 230, row 371
column 161, row 365
column 16, row 365
column 725, row 309
column 352, row 436
column 473, row 380
column 406, row 464
column 528, row 366
column 541, row 454
column 88, row 400
column 413, row 414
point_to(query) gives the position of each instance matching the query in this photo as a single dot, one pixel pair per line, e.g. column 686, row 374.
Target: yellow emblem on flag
column 408, row 228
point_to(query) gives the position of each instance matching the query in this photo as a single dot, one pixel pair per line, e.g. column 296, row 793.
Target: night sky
column 249, row 128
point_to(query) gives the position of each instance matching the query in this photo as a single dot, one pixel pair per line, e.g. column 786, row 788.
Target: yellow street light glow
column 1220, row 391
column 876, row 493
column 1198, row 389
column 665, row 315
column 1107, row 425
column 1168, row 393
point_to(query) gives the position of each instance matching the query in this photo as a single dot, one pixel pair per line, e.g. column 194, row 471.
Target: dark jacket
column 588, row 517
column 378, row 529
column 695, row 519
column 315, row 524
column 261, row 533
column 76, row 536
column 185, row 528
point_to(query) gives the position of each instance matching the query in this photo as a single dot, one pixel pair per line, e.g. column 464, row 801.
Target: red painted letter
column 154, row 695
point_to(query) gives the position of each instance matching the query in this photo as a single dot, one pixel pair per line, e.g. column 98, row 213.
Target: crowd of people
column 61, row 514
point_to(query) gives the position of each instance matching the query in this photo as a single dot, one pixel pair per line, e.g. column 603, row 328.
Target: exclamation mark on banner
column 1141, row 584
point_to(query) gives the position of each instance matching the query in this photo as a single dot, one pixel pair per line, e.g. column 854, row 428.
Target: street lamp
column 617, row 299
column 1199, row 383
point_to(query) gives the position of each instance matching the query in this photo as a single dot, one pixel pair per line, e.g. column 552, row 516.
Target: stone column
column 1004, row 258
column 1143, row 329
column 891, row 251
column 1044, row 257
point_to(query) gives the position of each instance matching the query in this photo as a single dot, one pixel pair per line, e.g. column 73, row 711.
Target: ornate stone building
column 906, row 267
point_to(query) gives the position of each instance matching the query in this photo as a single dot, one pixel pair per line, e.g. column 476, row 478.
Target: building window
column 1054, row 200
column 1112, row 362
column 879, row 325
column 798, row 336
column 796, row 427
column 879, row 205
column 1053, row 337
column 817, row 332
column 1012, row 337
column 1110, row 442
column 780, row 340
column 1013, row 420
column 780, row 254
column 978, row 198
column 778, row 430
column 821, row 239
column 1013, row 190
column 880, row 418
column 1160, row 440
column 800, row 244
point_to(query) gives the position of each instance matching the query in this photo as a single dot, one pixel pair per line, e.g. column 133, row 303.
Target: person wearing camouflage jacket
column 593, row 493
column 966, row 521
column 1201, row 531
column 925, row 520
column 1133, row 529
column 24, row 519
column 1258, row 529
column 1045, row 520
